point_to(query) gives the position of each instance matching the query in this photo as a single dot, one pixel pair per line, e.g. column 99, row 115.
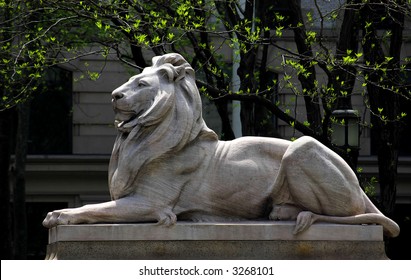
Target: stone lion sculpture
column 167, row 164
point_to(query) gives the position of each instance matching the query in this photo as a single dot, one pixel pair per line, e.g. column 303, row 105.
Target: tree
column 321, row 69
column 5, row 132
column 29, row 47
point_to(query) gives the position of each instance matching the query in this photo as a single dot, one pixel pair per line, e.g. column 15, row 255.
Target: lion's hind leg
column 326, row 189
column 320, row 181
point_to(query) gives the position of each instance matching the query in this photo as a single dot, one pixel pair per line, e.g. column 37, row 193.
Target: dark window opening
column 50, row 130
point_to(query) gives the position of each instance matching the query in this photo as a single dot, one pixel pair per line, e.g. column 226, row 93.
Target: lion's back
column 237, row 178
column 264, row 150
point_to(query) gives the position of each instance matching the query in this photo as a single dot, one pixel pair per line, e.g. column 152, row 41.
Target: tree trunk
column 387, row 104
column 347, row 41
column 5, row 206
column 19, row 190
column 246, row 70
column 387, row 166
column 5, row 147
column 390, row 139
column 307, row 82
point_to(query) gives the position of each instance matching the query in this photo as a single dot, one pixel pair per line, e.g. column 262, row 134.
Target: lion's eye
column 142, row 83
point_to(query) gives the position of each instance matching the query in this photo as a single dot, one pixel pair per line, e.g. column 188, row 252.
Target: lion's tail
column 391, row 228
column 371, row 216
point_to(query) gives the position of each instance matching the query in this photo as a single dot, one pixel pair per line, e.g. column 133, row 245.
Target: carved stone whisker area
column 248, row 240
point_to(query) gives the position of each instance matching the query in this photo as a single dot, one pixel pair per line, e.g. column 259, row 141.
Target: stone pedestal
column 239, row 240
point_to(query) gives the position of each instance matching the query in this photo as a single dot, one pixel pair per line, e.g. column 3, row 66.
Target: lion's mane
column 172, row 122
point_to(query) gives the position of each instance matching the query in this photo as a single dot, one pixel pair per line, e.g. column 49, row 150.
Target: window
column 50, row 129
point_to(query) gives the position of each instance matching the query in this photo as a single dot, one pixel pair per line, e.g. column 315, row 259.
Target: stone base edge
column 216, row 250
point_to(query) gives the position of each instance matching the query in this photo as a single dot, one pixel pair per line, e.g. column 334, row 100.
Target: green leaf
column 170, row 36
column 99, row 24
column 93, row 75
column 279, row 31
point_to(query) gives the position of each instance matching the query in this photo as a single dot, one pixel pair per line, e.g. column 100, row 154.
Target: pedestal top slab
column 264, row 230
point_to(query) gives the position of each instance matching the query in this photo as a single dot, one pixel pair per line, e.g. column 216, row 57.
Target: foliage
column 36, row 35
column 40, row 34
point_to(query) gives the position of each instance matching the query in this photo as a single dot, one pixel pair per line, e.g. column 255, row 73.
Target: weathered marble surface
column 167, row 164
column 240, row 240
column 249, row 230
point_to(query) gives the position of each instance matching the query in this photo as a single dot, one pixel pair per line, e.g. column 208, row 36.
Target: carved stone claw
column 167, row 219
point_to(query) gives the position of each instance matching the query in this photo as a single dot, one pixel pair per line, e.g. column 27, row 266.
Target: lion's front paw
column 304, row 220
column 58, row 217
column 167, row 218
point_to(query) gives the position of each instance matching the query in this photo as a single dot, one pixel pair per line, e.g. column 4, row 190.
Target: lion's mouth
column 121, row 124
column 128, row 124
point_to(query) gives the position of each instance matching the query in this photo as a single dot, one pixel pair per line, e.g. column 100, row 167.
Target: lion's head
column 158, row 111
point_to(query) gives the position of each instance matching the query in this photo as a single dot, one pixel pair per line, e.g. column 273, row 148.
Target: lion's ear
column 182, row 72
column 176, row 73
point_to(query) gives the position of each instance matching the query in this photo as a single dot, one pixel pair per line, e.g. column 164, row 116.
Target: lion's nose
column 117, row 95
